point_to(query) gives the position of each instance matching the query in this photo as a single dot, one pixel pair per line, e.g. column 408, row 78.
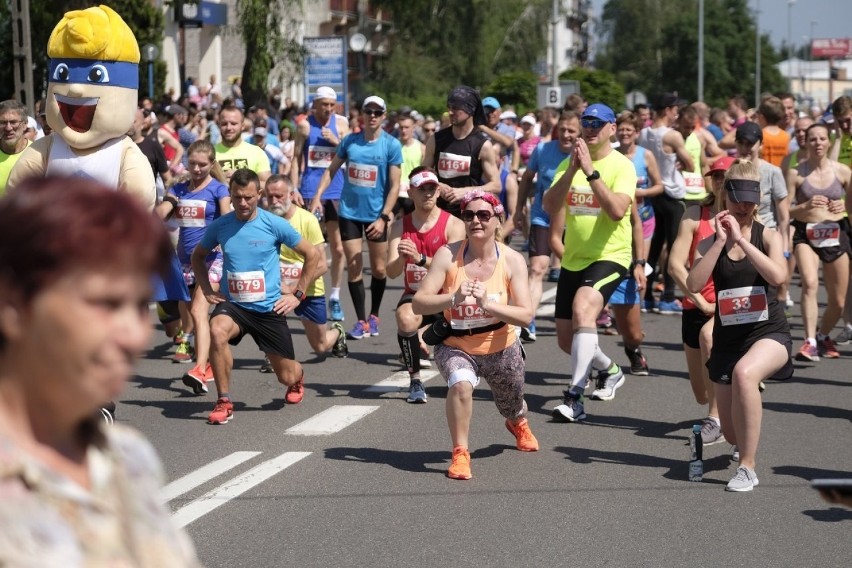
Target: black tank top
column 742, row 295
column 457, row 162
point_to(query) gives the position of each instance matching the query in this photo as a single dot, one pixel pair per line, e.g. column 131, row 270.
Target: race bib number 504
column 582, row 201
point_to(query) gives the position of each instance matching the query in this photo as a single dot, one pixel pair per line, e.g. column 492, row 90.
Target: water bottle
column 696, row 448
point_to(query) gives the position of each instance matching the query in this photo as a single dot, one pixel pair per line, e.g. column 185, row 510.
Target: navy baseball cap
column 599, row 111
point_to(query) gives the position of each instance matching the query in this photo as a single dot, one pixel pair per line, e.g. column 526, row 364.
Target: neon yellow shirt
column 7, row 162
column 291, row 262
column 694, row 180
column 243, row 155
column 590, row 234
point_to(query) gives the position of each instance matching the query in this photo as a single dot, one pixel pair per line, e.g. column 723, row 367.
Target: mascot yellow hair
column 93, row 33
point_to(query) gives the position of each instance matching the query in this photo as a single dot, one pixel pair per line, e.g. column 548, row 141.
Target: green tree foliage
column 442, row 43
column 516, row 88
column 269, row 34
column 145, row 20
column 652, row 46
column 597, row 86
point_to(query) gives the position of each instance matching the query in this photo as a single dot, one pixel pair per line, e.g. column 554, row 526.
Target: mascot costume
column 93, row 80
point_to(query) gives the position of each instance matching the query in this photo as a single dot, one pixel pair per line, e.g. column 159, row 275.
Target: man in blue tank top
column 314, row 147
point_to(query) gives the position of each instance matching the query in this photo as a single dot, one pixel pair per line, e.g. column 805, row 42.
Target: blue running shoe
column 373, row 322
column 336, row 310
column 360, row 330
column 669, row 308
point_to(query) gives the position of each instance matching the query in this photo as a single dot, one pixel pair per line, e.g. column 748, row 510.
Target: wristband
column 385, row 217
column 422, row 261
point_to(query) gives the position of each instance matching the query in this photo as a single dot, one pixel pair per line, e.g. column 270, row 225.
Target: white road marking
column 235, row 487
column 331, row 420
column 204, row 474
column 546, row 310
column 399, row 382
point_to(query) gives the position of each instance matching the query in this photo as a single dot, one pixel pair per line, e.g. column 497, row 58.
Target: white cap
column 325, row 93
column 426, row 177
column 528, row 119
column 374, row 100
column 508, row 114
column 31, row 123
column 260, row 131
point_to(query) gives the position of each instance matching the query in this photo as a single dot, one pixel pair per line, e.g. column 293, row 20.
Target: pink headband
column 425, row 177
column 475, row 194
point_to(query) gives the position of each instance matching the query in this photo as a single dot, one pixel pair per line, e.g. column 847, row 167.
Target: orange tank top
column 468, row 316
column 774, row 146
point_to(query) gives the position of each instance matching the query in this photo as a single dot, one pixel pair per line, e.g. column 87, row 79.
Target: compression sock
column 377, row 292
column 356, row 290
column 583, row 349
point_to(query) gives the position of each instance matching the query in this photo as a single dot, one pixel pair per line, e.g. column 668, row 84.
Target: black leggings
column 668, row 212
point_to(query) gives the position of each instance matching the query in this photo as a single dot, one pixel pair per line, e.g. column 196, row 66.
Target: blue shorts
column 625, row 294
column 313, row 309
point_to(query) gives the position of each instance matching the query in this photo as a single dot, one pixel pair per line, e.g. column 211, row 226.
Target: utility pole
column 23, row 54
column 700, row 50
column 554, row 66
column 757, row 55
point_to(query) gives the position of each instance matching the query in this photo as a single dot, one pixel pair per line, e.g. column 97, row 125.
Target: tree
column 597, row 86
column 145, row 20
column 517, row 88
column 652, row 46
column 270, row 36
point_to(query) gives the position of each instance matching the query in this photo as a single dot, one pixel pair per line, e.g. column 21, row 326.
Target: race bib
column 469, row 315
column 453, row 165
column 822, row 235
column 191, row 213
column 694, row 182
column 363, row 175
column 414, row 275
column 742, row 305
column 291, row 272
column 320, row 156
column 582, row 201
column 247, row 286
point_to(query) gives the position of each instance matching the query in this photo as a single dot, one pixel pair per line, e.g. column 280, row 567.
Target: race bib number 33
column 742, row 305
column 247, row 286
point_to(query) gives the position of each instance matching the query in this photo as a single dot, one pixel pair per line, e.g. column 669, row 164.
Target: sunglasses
column 429, row 130
column 483, row 215
column 370, row 112
column 593, row 123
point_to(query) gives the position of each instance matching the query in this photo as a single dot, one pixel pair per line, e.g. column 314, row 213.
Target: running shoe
column 669, row 308
column 360, row 330
column 604, row 320
column 735, row 453
column 524, row 439
column 196, row 379
column 416, row 393
column 184, row 353
column 711, row 432
column 460, row 468
column 844, row 337
column 744, row 480
column 638, row 363
column 373, row 322
column 180, row 337
column 340, row 349
column 826, row 348
column 649, row 306
column 108, row 413
column 222, row 413
column 295, row 393
column 266, row 367
column 571, row 409
column 553, row 275
column 528, row 333
column 208, row 373
column 607, row 383
column 335, row 309
column 808, row 352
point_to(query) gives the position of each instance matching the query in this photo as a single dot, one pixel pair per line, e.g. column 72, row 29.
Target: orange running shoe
column 295, row 393
column 526, row 442
column 222, row 413
column 208, row 373
column 196, row 379
column 460, row 468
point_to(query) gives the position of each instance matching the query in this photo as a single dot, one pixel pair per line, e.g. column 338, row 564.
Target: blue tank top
column 318, row 154
column 646, row 211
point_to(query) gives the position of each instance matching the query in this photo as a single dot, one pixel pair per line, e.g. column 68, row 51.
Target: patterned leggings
column 503, row 371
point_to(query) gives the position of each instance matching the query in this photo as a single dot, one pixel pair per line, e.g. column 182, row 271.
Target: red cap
column 720, row 165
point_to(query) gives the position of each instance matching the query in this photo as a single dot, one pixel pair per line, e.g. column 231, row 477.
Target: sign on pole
column 550, row 96
column 831, row 47
column 325, row 66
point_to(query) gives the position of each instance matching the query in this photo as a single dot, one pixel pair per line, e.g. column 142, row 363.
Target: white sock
column 812, row 341
column 600, row 361
column 335, row 294
column 583, row 349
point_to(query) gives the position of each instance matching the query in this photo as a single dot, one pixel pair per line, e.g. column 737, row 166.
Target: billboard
column 831, row 47
column 325, row 66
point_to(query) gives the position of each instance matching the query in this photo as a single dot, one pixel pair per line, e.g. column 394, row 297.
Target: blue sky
column 833, row 18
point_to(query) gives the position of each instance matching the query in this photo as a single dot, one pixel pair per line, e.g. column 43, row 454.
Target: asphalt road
column 275, row 488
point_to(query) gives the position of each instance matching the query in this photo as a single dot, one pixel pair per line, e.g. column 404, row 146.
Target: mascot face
column 93, row 77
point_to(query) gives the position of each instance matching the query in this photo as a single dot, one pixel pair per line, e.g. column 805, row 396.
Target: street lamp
column 757, row 55
column 790, row 50
column 150, row 54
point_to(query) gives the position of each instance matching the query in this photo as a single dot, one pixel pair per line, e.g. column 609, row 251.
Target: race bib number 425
column 247, row 286
column 191, row 213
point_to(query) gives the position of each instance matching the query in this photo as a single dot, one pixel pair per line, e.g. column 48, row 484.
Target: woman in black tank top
column 751, row 338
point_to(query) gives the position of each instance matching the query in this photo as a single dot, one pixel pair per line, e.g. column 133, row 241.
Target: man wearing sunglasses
column 463, row 156
column 13, row 124
column 370, row 189
column 592, row 191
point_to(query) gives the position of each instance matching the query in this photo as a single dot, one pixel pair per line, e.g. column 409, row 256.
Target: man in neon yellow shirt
column 312, row 309
column 13, row 124
column 233, row 153
column 593, row 191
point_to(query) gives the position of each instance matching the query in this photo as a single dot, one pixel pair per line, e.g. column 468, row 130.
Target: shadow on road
column 832, row 515
column 417, row 462
column 818, row 411
column 809, row 473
